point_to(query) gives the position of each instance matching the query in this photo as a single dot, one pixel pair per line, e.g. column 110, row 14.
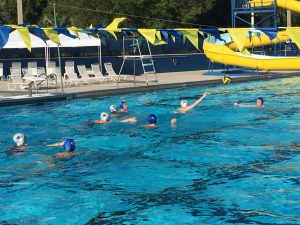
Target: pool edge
column 139, row 89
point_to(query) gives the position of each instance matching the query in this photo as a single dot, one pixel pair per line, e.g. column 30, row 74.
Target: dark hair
column 261, row 99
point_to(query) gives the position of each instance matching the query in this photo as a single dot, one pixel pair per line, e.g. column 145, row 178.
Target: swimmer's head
column 152, row 119
column 184, row 103
column 173, row 121
column 113, row 109
column 19, row 139
column 123, row 105
column 69, row 145
column 104, row 117
column 260, row 101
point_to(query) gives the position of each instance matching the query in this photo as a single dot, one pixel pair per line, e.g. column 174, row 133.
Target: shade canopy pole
column 58, row 54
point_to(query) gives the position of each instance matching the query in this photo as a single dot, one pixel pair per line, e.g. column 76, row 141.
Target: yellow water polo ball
column 226, row 80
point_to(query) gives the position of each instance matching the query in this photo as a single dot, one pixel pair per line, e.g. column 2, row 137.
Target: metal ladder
column 146, row 60
column 147, row 63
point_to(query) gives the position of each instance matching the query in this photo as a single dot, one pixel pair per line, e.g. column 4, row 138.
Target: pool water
column 220, row 165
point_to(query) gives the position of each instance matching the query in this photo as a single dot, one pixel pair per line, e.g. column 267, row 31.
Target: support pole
column 58, row 53
column 288, row 18
column 20, row 11
column 252, row 20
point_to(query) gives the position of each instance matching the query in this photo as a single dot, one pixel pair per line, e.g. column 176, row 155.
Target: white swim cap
column 183, row 103
column 19, row 139
column 113, row 108
column 104, row 116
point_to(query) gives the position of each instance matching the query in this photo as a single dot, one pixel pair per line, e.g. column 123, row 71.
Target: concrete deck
column 165, row 80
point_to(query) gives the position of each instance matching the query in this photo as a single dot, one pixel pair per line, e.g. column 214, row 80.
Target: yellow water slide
column 232, row 49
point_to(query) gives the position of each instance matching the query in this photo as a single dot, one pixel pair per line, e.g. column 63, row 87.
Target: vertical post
column 288, row 18
column 100, row 53
column 252, row 19
column 275, row 13
column 100, row 56
column 20, row 11
column 58, row 53
column 232, row 13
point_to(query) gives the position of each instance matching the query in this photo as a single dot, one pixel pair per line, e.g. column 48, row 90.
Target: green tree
column 140, row 13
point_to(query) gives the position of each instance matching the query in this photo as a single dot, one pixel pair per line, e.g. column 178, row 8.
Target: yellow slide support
column 226, row 53
column 293, row 5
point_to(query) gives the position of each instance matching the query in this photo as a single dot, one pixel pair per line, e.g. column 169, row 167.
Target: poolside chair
column 70, row 77
column 84, row 75
column 1, row 71
column 40, row 71
column 96, row 71
column 31, row 70
column 16, row 80
column 52, row 75
column 52, row 69
column 111, row 73
column 16, row 65
column 70, row 64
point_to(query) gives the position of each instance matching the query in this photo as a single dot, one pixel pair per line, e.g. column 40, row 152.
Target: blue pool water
column 220, row 165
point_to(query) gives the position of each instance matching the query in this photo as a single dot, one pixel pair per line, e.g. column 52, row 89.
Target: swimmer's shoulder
column 150, row 126
column 181, row 110
column 99, row 122
column 15, row 150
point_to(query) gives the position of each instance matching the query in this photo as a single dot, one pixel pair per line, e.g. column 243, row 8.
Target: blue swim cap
column 122, row 104
column 69, row 145
column 152, row 119
column 261, row 99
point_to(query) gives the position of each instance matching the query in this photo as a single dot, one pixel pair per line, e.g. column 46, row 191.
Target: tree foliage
column 140, row 13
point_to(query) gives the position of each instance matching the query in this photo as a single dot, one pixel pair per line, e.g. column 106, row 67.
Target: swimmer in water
column 68, row 146
column 123, row 107
column 113, row 110
column 173, row 122
column 20, row 144
column 105, row 118
column 185, row 107
column 152, row 120
column 259, row 103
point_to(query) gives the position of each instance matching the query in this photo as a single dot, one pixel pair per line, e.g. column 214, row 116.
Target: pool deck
column 165, row 81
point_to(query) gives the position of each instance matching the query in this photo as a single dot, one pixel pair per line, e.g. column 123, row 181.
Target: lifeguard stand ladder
column 132, row 51
column 260, row 13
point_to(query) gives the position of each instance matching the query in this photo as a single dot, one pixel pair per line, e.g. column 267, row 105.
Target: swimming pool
column 220, row 165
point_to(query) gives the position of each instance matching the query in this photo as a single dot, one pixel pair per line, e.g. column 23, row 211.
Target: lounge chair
column 16, row 80
column 69, row 63
column 53, row 75
column 32, row 70
column 52, row 69
column 71, row 77
column 96, row 71
column 16, row 65
column 111, row 73
column 84, row 75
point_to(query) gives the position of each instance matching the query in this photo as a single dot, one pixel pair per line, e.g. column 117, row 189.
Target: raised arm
column 244, row 105
column 129, row 120
column 56, row 144
column 196, row 102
